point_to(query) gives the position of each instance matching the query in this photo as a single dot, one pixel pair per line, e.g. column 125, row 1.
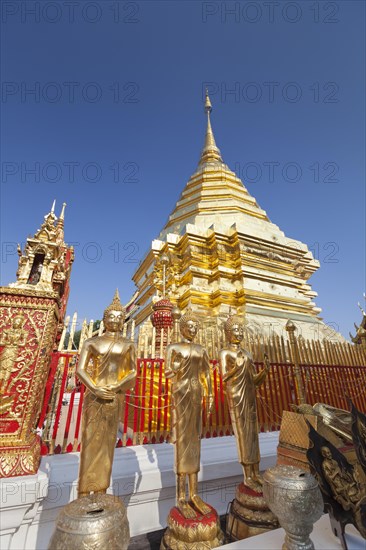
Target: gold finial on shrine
column 62, row 215
column 208, row 105
column 50, row 218
column 60, row 225
column 60, row 222
column 210, row 151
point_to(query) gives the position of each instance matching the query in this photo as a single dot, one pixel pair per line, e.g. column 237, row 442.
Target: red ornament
column 162, row 316
column 244, row 489
column 191, row 523
column 44, row 449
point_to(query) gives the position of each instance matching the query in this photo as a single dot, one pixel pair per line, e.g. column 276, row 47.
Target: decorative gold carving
column 249, row 514
column 294, row 440
column 26, row 362
column 25, row 293
column 29, row 462
column 195, row 535
column 268, row 254
column 344, row 494
column 345, row 485
column 360, row 337
column 19, row 461
column 29, row 313
column 46, row 261
column 12, row 339
column 7, row 463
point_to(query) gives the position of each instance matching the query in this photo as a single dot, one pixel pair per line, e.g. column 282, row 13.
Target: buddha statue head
column 234, row 330
column 189, row 325
column 114, row 315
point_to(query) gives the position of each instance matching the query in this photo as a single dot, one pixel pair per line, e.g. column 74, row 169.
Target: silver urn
column 294, row 497
column 94, row 522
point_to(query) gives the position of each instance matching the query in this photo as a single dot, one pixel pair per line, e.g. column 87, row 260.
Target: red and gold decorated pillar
column 28, row 327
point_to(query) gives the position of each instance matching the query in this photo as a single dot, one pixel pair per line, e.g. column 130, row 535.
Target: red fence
column 146, row 411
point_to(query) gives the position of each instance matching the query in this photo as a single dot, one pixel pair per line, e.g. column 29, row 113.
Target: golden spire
column 51, row 213
column 60, row 225
column 62, row 215
column 60, row 222
column 210, row 151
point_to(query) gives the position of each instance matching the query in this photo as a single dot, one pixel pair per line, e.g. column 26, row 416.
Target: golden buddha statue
column 240, row 378
column 112, row 373
column 187, row 364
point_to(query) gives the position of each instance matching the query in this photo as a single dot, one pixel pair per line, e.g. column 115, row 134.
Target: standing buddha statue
column 188, row 366
column 112, row 372
column 240, row 379
column 192, row 523
column 249, row 513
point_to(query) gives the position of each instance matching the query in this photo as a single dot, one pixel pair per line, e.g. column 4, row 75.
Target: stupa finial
column 208, row 106
column 210, row 151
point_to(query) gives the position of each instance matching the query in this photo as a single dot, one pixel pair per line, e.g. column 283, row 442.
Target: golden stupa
column 226, row 255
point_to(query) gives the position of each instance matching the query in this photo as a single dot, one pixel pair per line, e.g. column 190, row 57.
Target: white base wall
column 142, row 476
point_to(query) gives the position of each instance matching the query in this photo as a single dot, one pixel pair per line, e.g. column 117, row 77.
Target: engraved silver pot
column 94, row 522
column 294, row 497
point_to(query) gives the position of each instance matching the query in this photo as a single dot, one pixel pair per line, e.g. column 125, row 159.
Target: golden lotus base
column 91, row 523
column 249, row 515
column 200, row 533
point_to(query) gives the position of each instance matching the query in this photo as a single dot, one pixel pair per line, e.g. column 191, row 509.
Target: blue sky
column 115, row 125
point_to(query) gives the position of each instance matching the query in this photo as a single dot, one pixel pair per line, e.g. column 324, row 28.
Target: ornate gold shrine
column 31, row 317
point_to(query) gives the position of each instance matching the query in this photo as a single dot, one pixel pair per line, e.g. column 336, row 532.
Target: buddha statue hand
column 104, row 393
